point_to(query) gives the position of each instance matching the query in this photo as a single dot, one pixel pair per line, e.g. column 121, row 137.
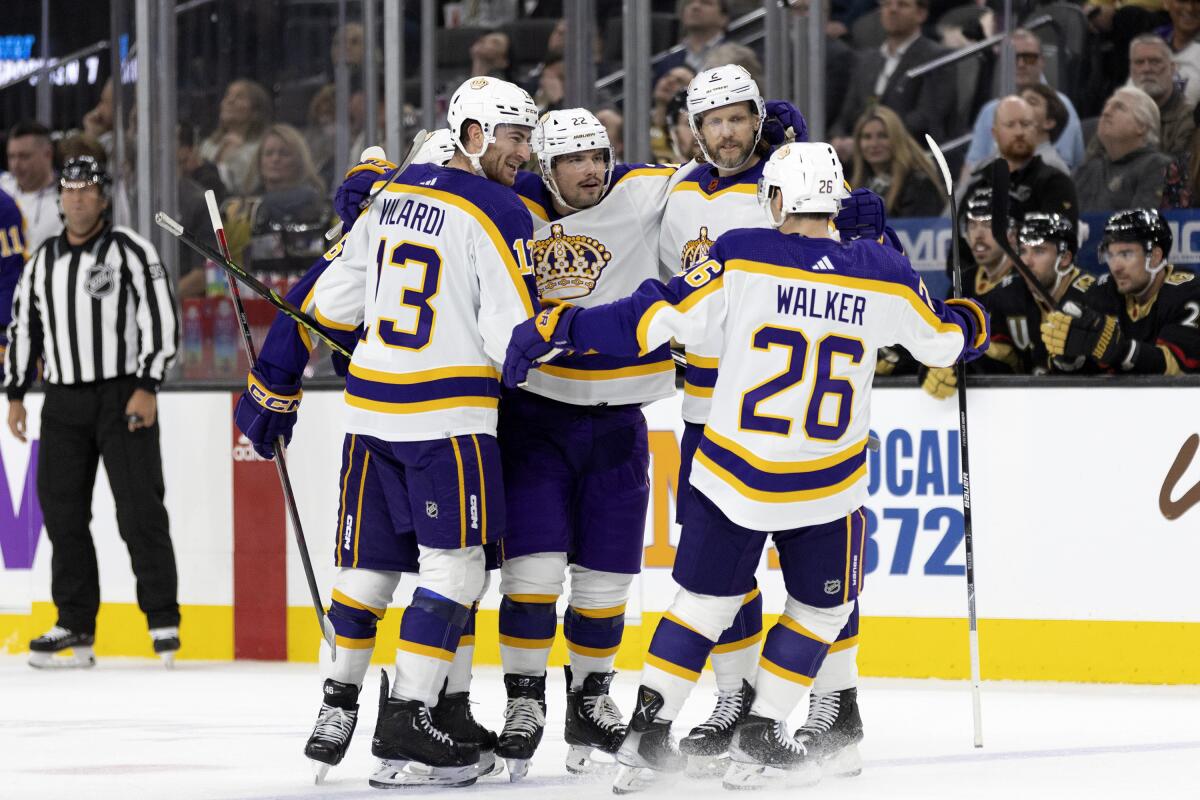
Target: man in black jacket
column 925, row 105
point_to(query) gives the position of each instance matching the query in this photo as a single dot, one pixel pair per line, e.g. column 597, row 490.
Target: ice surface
column 131, row 729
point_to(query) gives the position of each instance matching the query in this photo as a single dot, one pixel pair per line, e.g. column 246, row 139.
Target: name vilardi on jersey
column 695, row 251
column 413, row 214
column 567, row 266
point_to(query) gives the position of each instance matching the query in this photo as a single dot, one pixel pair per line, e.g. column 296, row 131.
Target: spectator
column 287, row 193
column 925, row 104
column 684, row 147
column 703, row 23
column 614, row 122
column 890, row 163
column 551, row 86
column 319, row 131
column 490, row 56
column 192, row 166
column 1181, row 36
column 348, row 45
column 837, row 52
column 1027, row 50
column 1130, row 171
column 1152, row 70
column 31, row 182
column 734, row 53
column 98, row 123
column 666, row 88
column 1049, row 120
column 244, row 114
column 483, row 13
column 555, row 49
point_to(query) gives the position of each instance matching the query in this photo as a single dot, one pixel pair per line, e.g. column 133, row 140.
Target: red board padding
column 259, row 556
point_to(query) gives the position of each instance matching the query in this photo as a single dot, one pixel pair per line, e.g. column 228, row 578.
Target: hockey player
column 281, row 364
column 1144, row 316
column 726, row 113
column 12, row 258
column 431, row 274
column 577, row 439
column 1048, row 244
column 795, row 314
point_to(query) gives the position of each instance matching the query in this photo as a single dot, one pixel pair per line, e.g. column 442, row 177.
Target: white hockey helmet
column 809, row 177
column 719, row 87
column 491, row 102
column 569, row 130
column 437, row 149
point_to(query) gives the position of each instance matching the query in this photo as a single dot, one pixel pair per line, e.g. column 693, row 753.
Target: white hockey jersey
column 596, row 256
column 701, row 207
column 433, row 273
column 798, row 321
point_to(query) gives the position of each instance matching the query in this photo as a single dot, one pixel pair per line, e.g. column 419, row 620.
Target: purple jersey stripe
column 782, row 481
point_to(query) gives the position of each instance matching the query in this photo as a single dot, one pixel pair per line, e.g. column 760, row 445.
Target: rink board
column 1080, row 576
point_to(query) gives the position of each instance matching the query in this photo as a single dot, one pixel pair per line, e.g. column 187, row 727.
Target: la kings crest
column 567, row 266
column 695, row 251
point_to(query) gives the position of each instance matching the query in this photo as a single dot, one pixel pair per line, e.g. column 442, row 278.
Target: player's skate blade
column 705, row 767
column 166, row 644
column 741, row 776
column 81, row 658
column 390, row 774
column 320, row 770
column 583, row 760
column 489, row 765
column 845, row 763
column 631, row 780
column 518, row 768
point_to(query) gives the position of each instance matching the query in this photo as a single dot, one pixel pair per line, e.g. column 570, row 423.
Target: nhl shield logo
column 833, row 587
column 100, row 280
column 431, row 509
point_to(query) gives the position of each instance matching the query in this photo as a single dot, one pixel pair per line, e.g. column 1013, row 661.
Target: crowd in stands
column 1094, row 127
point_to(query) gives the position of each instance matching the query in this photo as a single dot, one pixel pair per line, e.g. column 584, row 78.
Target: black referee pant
column 80, row 424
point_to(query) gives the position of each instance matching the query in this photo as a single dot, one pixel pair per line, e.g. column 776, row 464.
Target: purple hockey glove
column 783, row 117
column 264, row 414
column 536, row 338
column 862, row 216
column 356, row 186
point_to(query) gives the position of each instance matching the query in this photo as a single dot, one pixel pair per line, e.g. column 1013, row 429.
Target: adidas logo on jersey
column 824, row 265
column 567, row 266
column 430, row 182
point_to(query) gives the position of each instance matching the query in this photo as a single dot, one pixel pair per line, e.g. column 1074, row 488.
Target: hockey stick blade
column 1000, row 181
column 254, row 284
column 417, row 143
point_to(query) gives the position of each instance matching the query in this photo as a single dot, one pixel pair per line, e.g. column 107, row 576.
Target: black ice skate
column 762, row 754
column 335, row 725
column 593, row 723
column 48, row 650
column 832, row 732
column 648, row 756
column 413, row 752
column 524, row 722
column 453, row 716
column 166, row 644
column 707, row 745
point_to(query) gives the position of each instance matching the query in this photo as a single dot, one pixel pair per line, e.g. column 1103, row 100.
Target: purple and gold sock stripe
column 678, row 648
column 793, row 652
column 468, row 634
column 594, row 632
column 746, row 629
column 848, row 636
column 355, row 462
column 432, row 624
column 528, row 621
column 353, row 622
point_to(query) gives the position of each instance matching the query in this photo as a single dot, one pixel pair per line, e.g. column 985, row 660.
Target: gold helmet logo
column 783, row 151
column 479, row 83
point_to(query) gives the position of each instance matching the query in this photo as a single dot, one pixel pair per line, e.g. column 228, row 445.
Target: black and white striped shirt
column 100, row 310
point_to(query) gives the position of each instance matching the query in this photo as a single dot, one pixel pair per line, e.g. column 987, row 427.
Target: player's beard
column 726, row 162
column 493, row 164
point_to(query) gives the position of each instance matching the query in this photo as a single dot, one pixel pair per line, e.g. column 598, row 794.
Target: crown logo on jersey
column 567, row 266
column 696, row 251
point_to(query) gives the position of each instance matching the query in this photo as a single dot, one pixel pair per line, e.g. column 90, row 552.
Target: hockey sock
column 354, row 625
column 735, row 658
column 527, row 626
column 682, row 642
column 839, row 670
column 593, row 638
column 459, row 677
column 795, row 647
column 429, row 633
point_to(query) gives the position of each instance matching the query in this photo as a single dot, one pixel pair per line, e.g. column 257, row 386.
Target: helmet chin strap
column 474, row 158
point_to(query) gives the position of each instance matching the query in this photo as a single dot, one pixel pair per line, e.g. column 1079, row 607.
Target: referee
column 95, row 306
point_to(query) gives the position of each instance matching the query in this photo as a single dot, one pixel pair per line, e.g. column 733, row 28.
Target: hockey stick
column 960, row 372
column 285, row 480
column 254, row 284
column 1000, row 180
column 413, row 149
